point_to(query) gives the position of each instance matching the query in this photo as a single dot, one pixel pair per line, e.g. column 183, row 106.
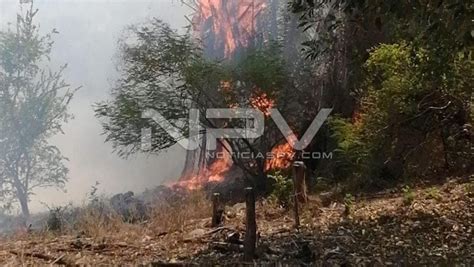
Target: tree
column 167, row 72
column 33, row 106
column 411, row 86
column 409, row 124
column 440, row 23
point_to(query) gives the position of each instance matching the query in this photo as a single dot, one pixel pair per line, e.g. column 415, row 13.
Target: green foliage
column 349, row 201
column 34, row 104
column 413, row 90
column 282, row 189
column 61, row 218
column 433, row 193
column 167, row 72
column 469, row 187
column 264, row 68
column 54, row 222
column 408, row 195
column 404, row 111
column 153, row 68
column 443, row 24
column 351, row 154
column 322, row 184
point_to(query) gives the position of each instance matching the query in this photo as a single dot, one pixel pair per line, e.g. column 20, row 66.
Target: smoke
column 87, row 42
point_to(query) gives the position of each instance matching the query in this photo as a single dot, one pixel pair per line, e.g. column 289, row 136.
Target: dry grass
column 99, row 229
column 99, row 221
column 176, row 232
column 175, row 216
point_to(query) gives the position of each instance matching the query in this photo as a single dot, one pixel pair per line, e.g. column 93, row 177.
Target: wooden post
column 296, row 210
column 216, row 214
column 299, row 189
column 251, row 225
column 299, row 182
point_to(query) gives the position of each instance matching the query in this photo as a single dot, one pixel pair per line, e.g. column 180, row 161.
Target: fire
column 225, row 26
column 218, row 168
column 215, row 172
column 262, row 102
column 231, row 23
column 282, row 156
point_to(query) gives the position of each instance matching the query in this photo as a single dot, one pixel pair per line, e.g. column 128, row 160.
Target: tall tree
column 33, row 106
column 167, row 72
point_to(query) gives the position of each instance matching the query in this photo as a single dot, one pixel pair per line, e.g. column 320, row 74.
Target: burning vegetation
column 227, row 26
column 283, row 156
column 400, row 112
column 214, row 172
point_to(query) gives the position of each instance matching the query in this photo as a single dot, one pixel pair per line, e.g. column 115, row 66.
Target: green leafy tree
column 410, row 66
column 410, row 123
column 165, row 71
column 33, row 106
column 440, row 23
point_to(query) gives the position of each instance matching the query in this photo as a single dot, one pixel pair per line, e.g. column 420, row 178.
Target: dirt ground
column 435, row 227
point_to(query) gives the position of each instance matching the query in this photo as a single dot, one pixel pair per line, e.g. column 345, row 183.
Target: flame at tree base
column 214, row 173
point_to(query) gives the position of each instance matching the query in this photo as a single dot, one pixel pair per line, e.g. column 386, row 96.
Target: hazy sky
column 87, row 41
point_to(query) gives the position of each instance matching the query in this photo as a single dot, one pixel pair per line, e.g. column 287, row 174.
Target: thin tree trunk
column 23, row 199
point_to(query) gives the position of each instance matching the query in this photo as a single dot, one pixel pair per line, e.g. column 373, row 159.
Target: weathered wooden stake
column 299, row 181
column 299, row 187
column 216, row 214
column 296, row 210
column 251, row 225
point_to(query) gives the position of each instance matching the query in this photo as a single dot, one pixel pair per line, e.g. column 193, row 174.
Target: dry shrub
column 98, row 219
column 171, row 216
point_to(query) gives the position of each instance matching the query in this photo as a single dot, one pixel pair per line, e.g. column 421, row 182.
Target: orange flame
column 262, row 102
column 282, row 156
column 233, row 21
column 229, row 25
column 215, row 172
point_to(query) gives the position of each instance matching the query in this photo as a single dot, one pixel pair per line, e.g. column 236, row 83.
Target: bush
column 282, row 189
column 433, row 193
column 348, row 203
column 410, row 122
column 61, row 218
column 54, row 222
column 130, row 208
column 408, row 195
column 322, row 184
column 352, row 162
column 469, row 187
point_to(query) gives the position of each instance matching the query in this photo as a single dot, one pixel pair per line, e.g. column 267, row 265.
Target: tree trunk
column 24, row 205
column 23, row 199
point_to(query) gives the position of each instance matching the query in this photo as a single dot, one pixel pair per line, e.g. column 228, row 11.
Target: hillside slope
column 425, row 226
